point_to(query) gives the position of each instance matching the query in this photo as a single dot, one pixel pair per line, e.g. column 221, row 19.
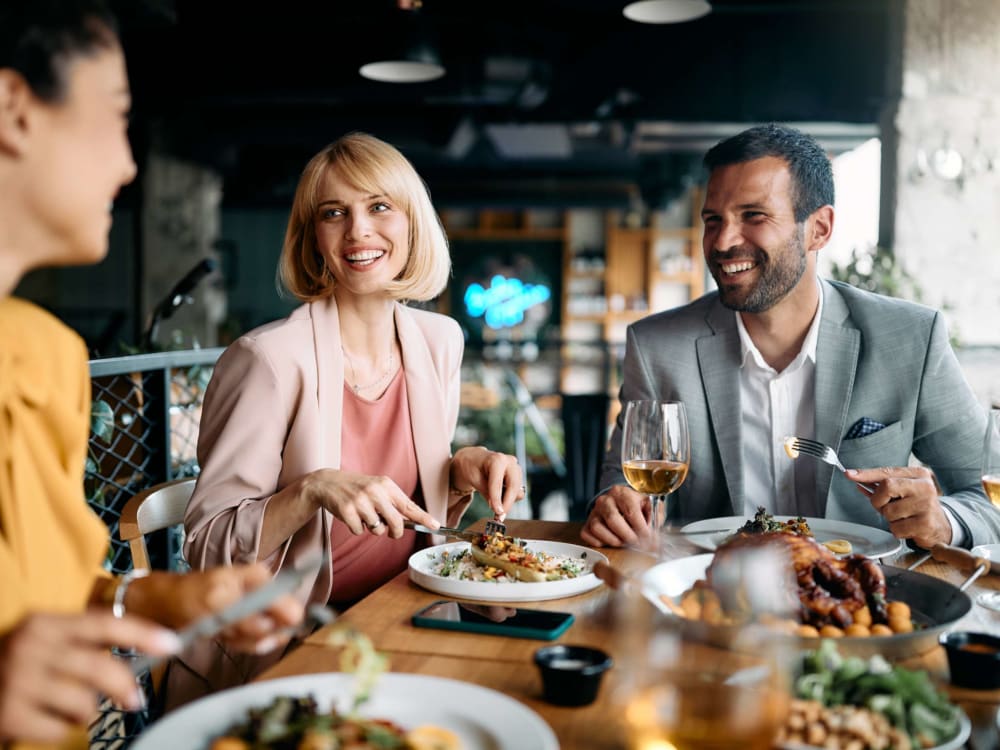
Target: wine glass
column 656, row 451
column 679, row 689
column 991, row 485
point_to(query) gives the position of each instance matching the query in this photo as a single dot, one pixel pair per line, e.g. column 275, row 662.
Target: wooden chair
column 158, row 507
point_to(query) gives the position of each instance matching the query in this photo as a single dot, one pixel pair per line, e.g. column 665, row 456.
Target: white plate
column 989, row 551
column 422, row 573
column 865, row 540
column 482, row 718
column 956, row 742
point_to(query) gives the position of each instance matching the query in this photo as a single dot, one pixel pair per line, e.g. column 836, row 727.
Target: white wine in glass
column 991, row 485
column 991, row 457
column 655, row 452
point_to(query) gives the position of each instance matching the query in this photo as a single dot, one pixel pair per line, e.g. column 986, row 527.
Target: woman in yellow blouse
column 64, row 155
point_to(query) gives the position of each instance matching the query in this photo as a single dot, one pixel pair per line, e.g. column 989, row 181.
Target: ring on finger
column 374, row 526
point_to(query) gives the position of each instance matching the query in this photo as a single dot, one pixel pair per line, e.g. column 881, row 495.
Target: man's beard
column 779, row 273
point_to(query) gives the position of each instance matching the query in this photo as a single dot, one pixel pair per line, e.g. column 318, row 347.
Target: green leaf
column 102, row 420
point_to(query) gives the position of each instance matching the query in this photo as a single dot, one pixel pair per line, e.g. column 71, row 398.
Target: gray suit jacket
column 877, row 357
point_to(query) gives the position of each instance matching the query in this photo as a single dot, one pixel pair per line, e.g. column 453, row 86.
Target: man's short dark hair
column 812, row 175
column 38, row 38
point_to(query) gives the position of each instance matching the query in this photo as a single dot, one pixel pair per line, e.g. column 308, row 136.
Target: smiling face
column 754, row 248
column 78, row 158
column 363, row 237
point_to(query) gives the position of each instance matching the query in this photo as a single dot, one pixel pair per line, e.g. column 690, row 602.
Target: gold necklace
column 357, row 387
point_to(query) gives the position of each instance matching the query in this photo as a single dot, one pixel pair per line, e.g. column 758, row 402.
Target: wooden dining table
column 505, row 664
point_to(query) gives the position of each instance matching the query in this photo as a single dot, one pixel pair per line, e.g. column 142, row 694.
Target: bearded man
column 777, row 351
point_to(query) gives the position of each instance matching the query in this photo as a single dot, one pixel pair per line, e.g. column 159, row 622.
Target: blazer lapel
column 836, row 365
column 329, row 377
column 719, row 363
column 427, row 410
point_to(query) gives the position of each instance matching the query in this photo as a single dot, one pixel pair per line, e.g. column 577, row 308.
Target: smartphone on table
column 516, row 622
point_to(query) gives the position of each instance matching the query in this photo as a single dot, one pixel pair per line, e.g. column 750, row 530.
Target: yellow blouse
column 51, row 545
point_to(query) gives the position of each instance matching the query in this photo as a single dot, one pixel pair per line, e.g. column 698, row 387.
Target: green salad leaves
column 907, row 698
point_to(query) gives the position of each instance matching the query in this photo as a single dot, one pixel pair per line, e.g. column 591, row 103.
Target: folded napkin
column 864, row 426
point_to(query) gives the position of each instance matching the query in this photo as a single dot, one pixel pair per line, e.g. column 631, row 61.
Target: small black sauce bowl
column 973, row 659
column 571, row 675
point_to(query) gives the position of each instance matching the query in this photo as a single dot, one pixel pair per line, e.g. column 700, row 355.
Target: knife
column 285, row 582
column 469, row 536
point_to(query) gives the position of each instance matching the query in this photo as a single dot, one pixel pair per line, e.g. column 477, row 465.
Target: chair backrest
column 158, row 507
column 585, row 429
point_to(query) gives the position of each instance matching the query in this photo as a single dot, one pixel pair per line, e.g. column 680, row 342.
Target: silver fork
column 497, row 526
column 822, row 451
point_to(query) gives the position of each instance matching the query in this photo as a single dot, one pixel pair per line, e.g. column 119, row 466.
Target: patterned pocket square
column 861, row 428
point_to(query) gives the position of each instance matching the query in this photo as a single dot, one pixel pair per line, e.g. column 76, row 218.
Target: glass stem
column 656, row 511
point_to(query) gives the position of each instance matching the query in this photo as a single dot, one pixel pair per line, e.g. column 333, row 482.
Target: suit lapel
column 719, row 363
column 329, row 377
column 427, row 409
column 836, row 365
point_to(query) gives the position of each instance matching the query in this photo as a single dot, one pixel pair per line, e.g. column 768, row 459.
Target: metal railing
column 144, row 430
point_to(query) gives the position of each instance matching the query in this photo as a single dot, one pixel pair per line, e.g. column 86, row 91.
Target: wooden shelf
column 632, row 272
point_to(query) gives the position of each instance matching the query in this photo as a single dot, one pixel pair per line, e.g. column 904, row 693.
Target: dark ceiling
column 542, row 98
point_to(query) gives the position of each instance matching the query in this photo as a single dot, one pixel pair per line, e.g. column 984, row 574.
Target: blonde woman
column 328, row 429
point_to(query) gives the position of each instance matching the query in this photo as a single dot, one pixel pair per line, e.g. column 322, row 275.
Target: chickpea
column 806, row 631
column 857, row 631
column 831, row 631
column 880, row 629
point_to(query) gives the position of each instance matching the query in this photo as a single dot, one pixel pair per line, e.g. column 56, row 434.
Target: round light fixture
column 402, row 71
column 666, row 11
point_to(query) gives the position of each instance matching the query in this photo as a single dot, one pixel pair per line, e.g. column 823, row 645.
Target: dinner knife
column 469, row 536
column 285, row 582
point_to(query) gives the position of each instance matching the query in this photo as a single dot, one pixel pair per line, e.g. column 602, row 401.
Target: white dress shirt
column 774, row 405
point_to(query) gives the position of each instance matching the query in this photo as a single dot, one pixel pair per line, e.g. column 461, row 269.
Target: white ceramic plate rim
column 865, row 540
column 989, row 551
column 422, row 562
column 481, row 717
column 964, row 730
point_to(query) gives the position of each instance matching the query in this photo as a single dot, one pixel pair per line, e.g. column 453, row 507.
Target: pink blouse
column 377, row 439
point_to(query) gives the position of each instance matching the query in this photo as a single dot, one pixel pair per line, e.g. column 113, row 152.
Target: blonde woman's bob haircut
column 371, row 166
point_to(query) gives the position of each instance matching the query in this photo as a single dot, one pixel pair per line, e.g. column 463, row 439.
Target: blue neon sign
column 504, row 303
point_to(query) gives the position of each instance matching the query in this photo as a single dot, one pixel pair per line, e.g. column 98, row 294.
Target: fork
column 496, row 526
column 796, row 445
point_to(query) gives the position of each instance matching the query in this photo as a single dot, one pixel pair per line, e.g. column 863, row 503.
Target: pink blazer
column 272, row 413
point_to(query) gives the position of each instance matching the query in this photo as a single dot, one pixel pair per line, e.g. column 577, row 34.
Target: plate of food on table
column 856, row 703
column 502, row 568
column 840, row 537
column 868, row 607
column 364, row 708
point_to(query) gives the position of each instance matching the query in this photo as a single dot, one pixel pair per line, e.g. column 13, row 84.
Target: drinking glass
column 655, row 452
column 991, row 484
column 719, row 688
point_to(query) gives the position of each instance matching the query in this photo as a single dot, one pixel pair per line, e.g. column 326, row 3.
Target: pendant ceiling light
column 666, row 11
column 419, row 60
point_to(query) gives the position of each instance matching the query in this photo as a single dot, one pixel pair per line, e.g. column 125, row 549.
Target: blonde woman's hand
column 53, row 668
column 177, row 600
column 365, row 503
column 495, row 476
